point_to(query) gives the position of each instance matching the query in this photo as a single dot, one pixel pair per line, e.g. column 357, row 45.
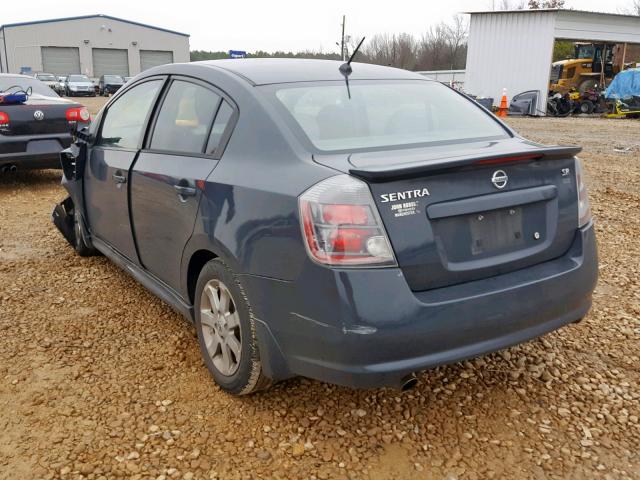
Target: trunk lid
column 462, row 213
column 23, row 122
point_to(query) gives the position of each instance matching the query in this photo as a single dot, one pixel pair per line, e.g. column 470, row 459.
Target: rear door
column 168, row 177
column 110, row 158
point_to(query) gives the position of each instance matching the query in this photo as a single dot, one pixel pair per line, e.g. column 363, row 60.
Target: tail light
column 584, row 209
column 78, row 114
column 4, row 118
column 341, row 224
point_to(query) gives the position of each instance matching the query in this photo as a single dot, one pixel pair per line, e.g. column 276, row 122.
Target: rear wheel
column 226, row 331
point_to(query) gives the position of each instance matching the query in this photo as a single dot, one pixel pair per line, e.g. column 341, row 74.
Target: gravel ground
column 100, row 379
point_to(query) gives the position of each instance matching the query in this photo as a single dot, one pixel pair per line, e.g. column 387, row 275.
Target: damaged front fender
column 66, row 213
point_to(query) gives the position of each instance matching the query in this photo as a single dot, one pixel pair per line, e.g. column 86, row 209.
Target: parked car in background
column 109, row 84
column 76, row 85
column 48, row 79
column 126, row 79
column 33, row 133
column 60, row 87
column 353, row 231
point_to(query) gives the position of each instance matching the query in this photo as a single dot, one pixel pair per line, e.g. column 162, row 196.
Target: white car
column 48, row 79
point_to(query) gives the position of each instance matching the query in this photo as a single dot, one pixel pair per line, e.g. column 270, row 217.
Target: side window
column 122, row 127
column 219, row 126
column 185, row 118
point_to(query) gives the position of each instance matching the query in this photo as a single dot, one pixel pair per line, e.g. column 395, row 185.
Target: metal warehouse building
column 514, row 49
column 93, row 45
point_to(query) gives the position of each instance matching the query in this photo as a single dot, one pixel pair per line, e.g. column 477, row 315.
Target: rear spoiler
column 380, row 173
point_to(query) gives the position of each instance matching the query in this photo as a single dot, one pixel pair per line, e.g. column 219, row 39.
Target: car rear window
column 24, row 83
column 384, row 113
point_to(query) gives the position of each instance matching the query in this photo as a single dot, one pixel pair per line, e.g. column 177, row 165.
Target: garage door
column 61, row 60
column 153, row 58
column 110, row 61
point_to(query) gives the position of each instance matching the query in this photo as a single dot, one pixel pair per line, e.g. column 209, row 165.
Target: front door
column 169, row 175
column 110, row 158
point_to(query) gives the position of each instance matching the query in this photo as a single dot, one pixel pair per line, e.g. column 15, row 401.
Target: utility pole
column 342, row 41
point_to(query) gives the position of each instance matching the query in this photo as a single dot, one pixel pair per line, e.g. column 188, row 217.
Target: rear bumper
column 38, row 151
column 369, row 329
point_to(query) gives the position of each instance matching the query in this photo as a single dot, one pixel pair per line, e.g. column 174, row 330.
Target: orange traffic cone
column 503, row 111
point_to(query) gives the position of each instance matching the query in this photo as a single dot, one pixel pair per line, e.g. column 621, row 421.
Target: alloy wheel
column 221, row 327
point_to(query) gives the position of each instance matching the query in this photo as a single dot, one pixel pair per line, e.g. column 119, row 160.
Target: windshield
column 585, row 51
column 79, row 78
column 23, row 83
column 112, row 78
column 46, row 78
column 384, row 113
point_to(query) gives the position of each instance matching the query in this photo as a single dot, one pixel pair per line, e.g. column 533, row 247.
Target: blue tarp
column 626, row 84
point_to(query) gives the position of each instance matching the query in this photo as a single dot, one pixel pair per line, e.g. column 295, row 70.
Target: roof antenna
column 345, row 68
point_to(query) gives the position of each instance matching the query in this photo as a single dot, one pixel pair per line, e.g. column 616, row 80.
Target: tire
column 81, row 247
column 587, row 107
column 239, row 374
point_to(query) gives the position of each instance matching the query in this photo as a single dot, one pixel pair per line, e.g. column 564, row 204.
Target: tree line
column 441, row 47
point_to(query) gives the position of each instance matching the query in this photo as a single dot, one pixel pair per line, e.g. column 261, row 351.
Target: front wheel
column 587, row 107
column 226, row 331
column 81, row 246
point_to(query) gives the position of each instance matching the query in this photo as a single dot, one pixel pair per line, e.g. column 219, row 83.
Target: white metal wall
column 574, row 25
column 512, row 51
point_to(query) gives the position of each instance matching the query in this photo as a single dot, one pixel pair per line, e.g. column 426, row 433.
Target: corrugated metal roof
column 537, row 10
column 99, row 15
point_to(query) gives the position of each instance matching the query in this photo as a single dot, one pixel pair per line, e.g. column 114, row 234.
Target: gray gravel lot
column 100, row 379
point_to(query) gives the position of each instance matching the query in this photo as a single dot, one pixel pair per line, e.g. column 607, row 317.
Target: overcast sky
column 288, row 25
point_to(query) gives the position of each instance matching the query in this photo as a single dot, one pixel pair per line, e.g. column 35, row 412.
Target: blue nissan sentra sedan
column 348, row 223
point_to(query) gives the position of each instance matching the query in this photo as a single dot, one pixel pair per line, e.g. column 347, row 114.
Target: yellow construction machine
column 593, row 65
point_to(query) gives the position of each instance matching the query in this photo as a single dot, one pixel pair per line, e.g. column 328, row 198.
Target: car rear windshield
column 78, row 78
column 384, row 113
column 13, row 84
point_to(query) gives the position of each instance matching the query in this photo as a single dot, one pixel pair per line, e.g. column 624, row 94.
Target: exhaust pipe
column 4, row 169
column 13, row 169
column 408, row 382
column 8, row 168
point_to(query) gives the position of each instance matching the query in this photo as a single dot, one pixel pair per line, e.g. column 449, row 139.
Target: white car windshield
column 384, row 113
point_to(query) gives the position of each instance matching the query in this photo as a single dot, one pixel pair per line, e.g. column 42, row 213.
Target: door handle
column 118, row 177
column 183, row 191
